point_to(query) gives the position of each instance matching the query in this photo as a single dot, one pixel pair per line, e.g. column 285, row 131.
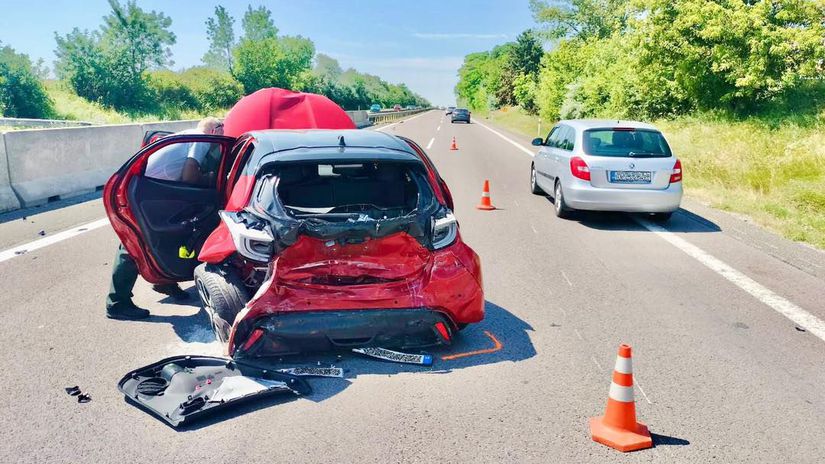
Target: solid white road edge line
column 429, row 145
column 51, row 240
column 779, row 304
column 508, row 139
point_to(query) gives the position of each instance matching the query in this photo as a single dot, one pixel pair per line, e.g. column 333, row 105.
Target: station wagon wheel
column 534, row 186
column 560, row 207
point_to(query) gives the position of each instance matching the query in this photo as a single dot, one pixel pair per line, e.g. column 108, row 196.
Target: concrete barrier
column 39, row 165
column 171, row 126
column 8, row 200
column 360, row 118
column 26, row 122
column 49, row 164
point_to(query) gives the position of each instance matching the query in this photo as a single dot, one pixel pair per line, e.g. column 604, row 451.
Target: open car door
column 164, row 201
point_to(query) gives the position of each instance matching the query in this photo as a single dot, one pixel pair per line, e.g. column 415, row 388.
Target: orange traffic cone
column 485, row 204
column 453, row 146
column 618, row 427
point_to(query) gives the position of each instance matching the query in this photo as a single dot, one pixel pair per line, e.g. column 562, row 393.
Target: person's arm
column 191, row 173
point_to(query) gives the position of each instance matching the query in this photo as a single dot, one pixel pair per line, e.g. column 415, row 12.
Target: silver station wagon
column 607, row 165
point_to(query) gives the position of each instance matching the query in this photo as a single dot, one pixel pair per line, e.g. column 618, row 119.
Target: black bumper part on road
column 318, row 331
column 183, row 388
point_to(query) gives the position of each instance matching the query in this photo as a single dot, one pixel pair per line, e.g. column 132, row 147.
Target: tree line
column 648, row 59
column 125, row 65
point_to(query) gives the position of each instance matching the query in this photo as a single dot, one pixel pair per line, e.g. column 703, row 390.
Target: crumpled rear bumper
column 319, row 331
column 403, row 290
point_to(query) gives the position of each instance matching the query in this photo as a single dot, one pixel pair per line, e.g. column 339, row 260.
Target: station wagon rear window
column 626, row 143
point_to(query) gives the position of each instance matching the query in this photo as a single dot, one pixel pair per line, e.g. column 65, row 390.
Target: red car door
column 164, row 201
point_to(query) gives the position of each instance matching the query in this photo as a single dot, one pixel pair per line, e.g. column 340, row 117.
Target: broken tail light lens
column 253, row 243
column 445, row 231
column 579, row 168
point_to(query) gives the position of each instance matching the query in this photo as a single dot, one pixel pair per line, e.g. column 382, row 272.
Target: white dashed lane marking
column 51, row 239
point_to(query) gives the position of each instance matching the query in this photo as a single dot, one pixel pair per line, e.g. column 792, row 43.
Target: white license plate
column 629, row 177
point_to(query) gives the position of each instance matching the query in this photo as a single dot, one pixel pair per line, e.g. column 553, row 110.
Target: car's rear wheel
column 534, row 185
column 560, row 207
column 662, row 217
column 222, row 295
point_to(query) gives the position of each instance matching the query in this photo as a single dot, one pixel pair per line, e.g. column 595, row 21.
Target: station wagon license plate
column 629, row 177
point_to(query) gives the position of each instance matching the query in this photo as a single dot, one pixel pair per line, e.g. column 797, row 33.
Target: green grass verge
column 69, row 106
column 772, row 171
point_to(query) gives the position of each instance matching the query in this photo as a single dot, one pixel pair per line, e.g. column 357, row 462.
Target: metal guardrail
column 390, row 116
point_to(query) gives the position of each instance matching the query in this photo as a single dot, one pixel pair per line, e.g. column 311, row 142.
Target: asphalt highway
column 724, row 318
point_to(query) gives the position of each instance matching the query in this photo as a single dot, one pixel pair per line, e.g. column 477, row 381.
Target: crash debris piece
column 395, row 356
column 335, row 372
column 183, row 388
column 239, row 386
column 73, row 391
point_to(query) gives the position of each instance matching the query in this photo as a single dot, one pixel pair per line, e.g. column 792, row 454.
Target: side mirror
column 538, row 142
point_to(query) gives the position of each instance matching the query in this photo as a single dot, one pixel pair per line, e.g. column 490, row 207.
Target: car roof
column 279, row 145
column 278, row 140
column 584, row 124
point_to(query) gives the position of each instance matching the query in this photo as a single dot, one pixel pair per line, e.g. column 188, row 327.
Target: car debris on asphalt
column 333, row 372
column 395, row 356
column 182, row 388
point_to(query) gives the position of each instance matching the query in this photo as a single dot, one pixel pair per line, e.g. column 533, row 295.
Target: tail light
column 579, row 168
column 677, row 172
column 444, row 231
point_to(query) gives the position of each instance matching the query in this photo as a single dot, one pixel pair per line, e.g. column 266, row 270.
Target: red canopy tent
column 275, row 108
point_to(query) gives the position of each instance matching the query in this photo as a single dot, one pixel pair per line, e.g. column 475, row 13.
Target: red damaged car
column 306, row 240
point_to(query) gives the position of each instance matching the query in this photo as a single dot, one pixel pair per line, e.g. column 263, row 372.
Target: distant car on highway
column 607, row 165
column 396, row 108
column 460, row 114
column 375, row 108
column 449, row 110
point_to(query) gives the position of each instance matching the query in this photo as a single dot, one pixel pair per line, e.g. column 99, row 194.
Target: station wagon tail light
column 579, row 168
column 445, row 231
column 676, row 176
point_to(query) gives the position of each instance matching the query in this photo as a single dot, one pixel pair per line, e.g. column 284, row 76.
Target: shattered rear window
column 367, row 190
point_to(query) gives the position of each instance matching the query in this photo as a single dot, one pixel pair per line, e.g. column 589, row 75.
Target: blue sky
column 420, row 42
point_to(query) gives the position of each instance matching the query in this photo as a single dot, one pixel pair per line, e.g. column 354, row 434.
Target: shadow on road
column 472, row 347
column 49, row 206
column 662, row 440
column 681, row 221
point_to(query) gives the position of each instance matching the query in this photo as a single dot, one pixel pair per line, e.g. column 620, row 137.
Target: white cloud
column 456, row 35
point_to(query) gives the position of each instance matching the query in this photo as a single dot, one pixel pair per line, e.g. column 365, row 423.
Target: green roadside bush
column 199, row 89
column 21, row 93
column 212, row 89
column 169, row 90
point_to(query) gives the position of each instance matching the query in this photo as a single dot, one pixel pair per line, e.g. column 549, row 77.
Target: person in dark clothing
column 119, row 303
